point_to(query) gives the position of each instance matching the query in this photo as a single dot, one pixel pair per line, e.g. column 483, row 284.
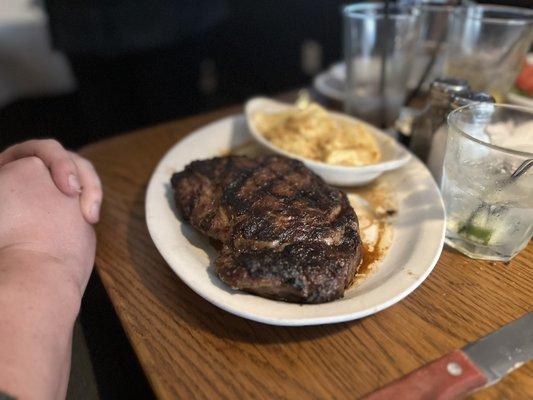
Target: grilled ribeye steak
column 285, row 233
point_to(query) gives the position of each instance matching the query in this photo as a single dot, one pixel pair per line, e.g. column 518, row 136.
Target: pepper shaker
column 435, row 161
column 434, row 114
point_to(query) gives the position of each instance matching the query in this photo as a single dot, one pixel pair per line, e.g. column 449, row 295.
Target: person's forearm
column 38, row 307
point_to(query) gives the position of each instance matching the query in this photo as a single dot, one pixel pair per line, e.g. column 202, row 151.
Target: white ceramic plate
column 332, row 82
column 330, row 87
column 520, row 100
column 417, row 243
column 393, row 154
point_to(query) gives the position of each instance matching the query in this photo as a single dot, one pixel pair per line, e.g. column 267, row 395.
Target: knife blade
column 504, row 350
column 463, row 371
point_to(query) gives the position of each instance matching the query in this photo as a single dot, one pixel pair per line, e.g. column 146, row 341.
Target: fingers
column 62, row 167
column 72, row 174
column 91, row 195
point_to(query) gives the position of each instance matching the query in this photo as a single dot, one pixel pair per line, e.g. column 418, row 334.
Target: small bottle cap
column 449, row 85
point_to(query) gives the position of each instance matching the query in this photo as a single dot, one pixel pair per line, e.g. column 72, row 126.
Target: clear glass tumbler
column 487, row 186
column 428, row 62
column 378, row 50
column 487, row 46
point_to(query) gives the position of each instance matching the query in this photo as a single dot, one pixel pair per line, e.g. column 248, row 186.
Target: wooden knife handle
column 450, row 377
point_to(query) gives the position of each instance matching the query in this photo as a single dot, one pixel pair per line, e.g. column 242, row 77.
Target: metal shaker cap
column 468, row 97
column 482, row 112
column 444, row 87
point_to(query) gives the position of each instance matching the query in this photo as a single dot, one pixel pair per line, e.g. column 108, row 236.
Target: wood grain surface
column 188, row 348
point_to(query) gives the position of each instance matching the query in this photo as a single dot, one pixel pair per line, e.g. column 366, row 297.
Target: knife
column 463, row 371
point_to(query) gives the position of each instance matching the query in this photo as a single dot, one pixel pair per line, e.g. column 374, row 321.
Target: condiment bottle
column 435, row 161
column 434, row 114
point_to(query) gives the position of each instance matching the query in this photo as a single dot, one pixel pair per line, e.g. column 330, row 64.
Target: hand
column 72, row 174
column 46, row 257
column 40, row 223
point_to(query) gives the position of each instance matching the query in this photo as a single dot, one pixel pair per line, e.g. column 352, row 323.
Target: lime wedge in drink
column 476, row 233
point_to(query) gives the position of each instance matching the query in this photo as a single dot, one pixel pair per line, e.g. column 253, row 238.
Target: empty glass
column 378, row 50
column 487, row 46
column 428, row 62
column 487, row 186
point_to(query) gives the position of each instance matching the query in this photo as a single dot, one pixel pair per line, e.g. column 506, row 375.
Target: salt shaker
column 434, row 114
column 435, row 160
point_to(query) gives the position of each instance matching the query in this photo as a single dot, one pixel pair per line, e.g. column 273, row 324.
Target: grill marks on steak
column 285, row 233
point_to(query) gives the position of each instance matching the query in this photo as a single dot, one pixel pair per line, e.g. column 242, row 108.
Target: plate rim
column 521, row 100
column 304, row 321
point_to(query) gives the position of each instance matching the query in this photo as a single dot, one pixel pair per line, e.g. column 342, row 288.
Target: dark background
column 127, row 80
column 146, row 61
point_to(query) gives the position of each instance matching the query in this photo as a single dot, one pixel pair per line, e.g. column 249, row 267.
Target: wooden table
column 188, row 348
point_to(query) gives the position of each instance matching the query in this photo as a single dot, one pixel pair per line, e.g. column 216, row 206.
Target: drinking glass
column 488, row 45
column 487, row 187
column 378, row 50
column 428, row 62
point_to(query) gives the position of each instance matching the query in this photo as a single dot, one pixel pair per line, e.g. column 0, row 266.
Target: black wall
column 142, row 62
